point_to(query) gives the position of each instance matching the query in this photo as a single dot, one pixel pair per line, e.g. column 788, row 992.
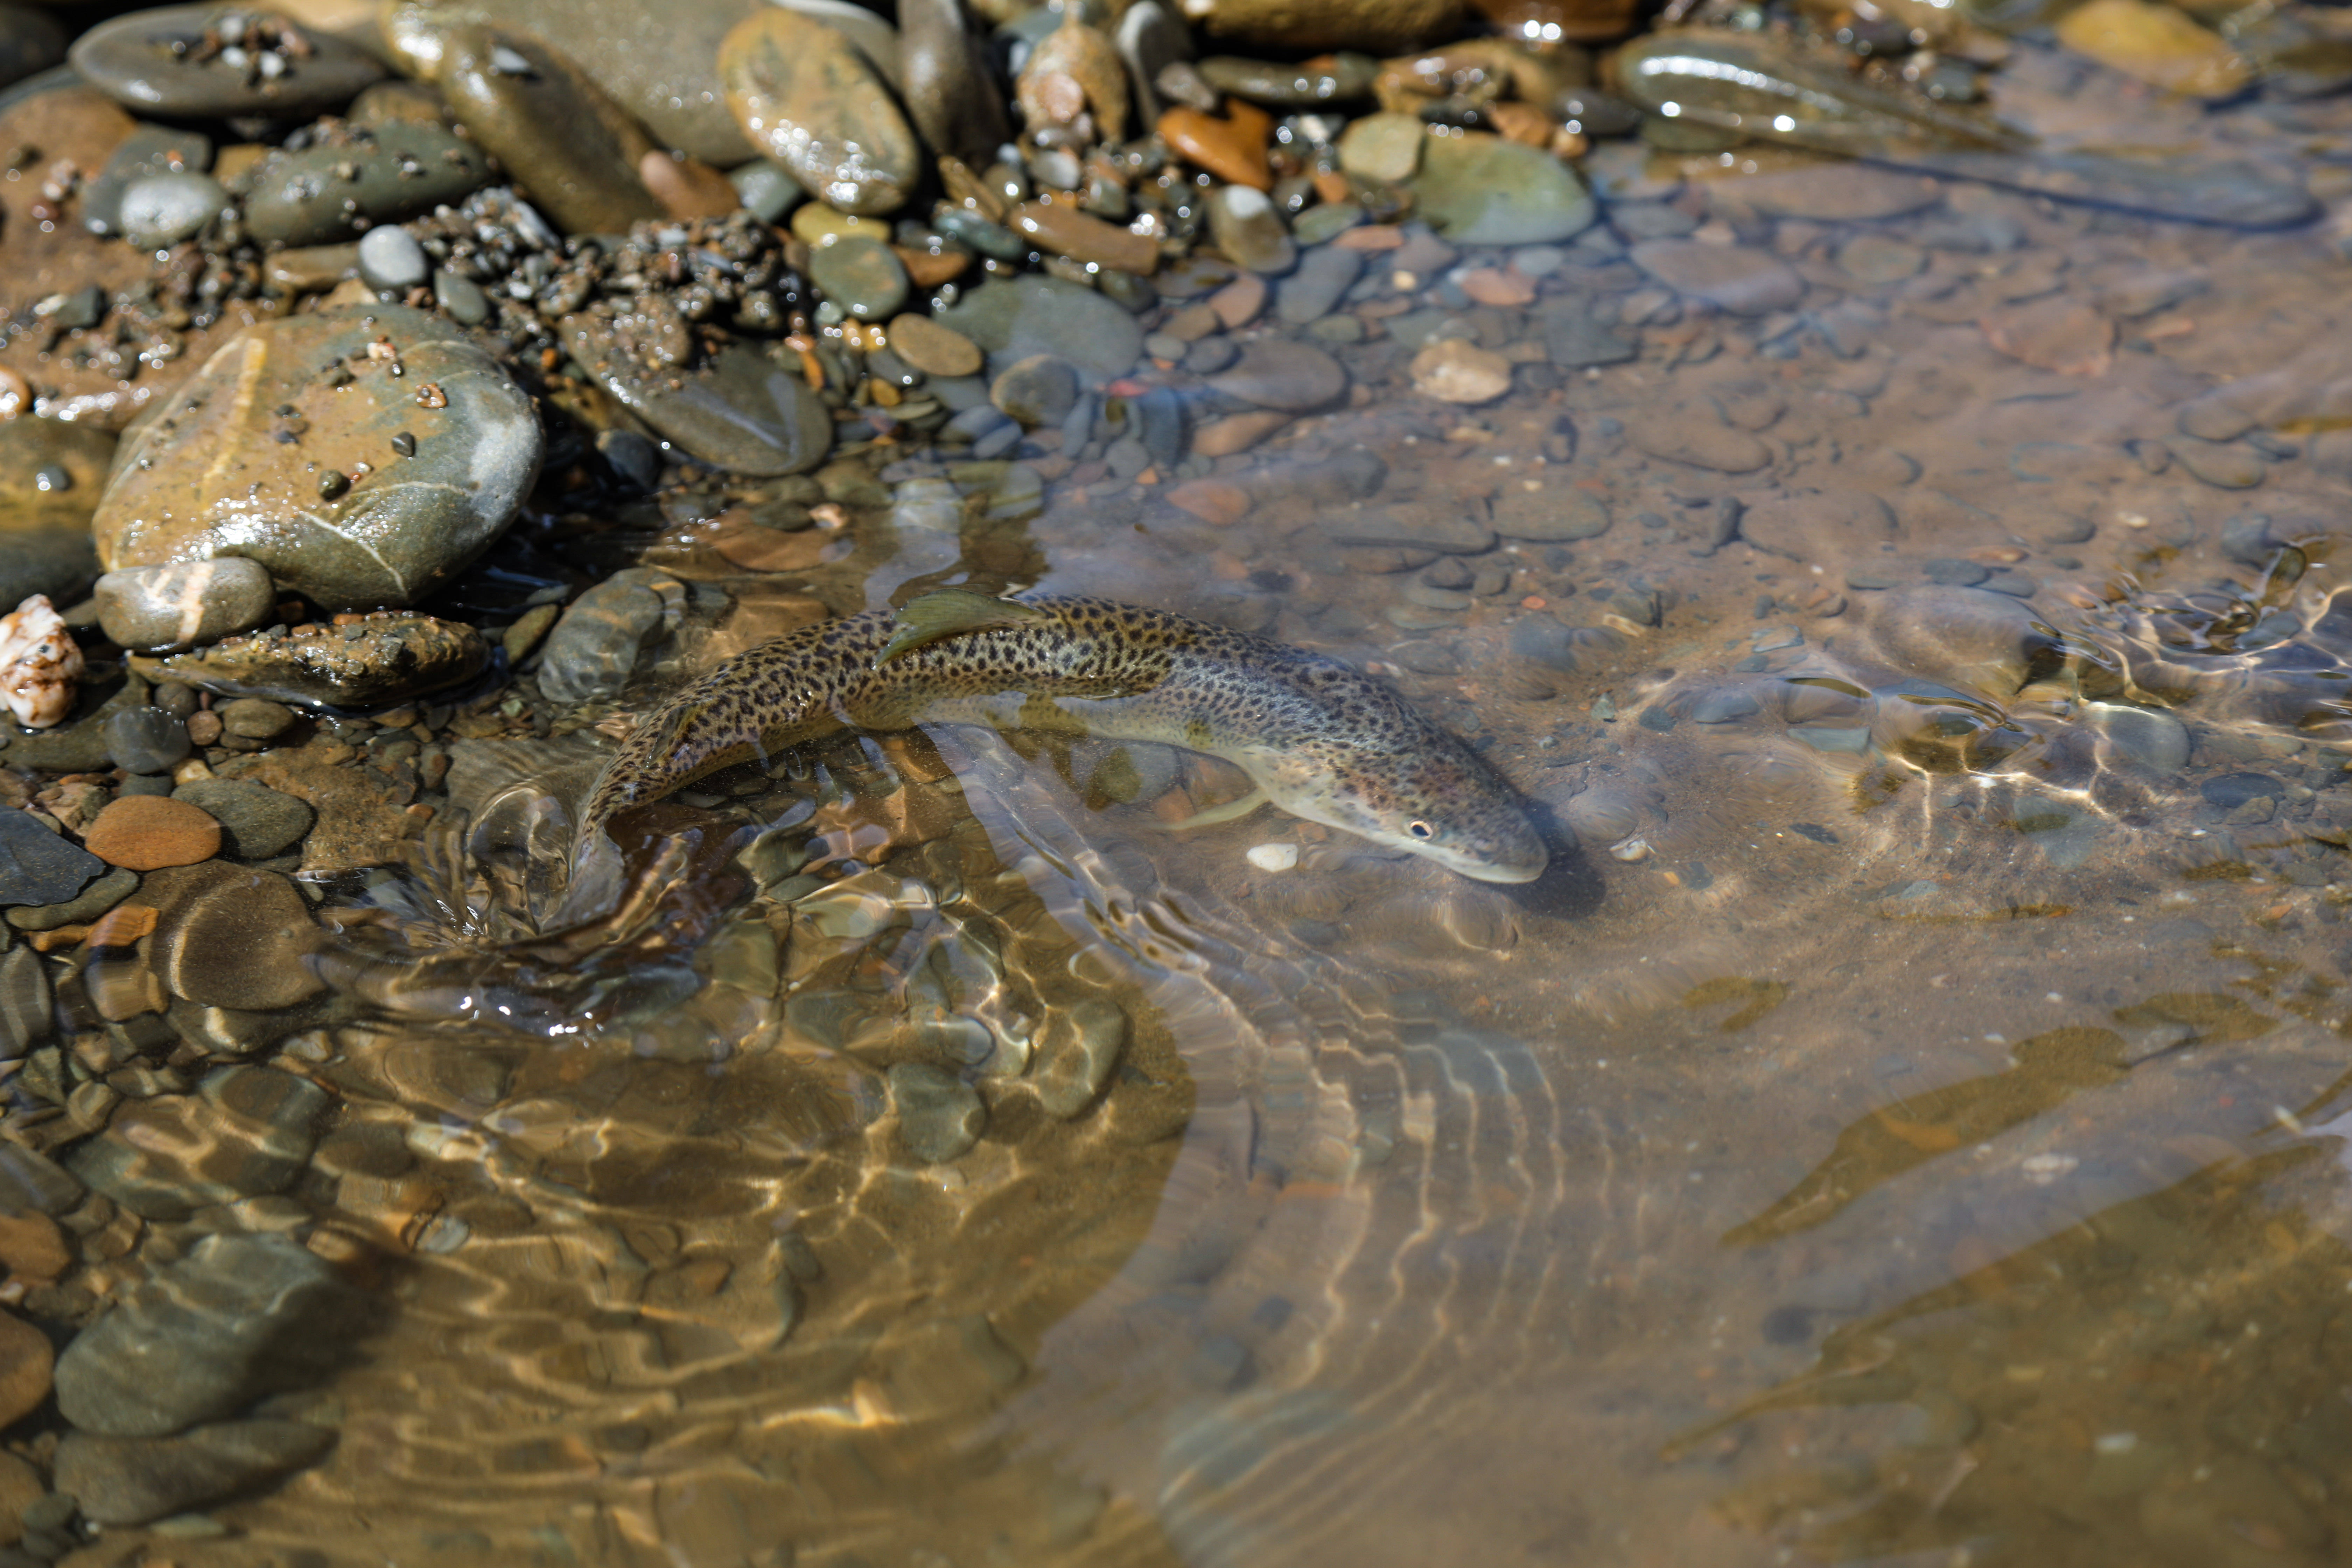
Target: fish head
column 1440, row 803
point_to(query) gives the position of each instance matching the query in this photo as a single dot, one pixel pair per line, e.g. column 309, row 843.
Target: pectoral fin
column 1231, row 811
column 949, row 612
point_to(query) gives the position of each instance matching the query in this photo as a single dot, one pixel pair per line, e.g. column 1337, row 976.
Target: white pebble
column 1274, row 856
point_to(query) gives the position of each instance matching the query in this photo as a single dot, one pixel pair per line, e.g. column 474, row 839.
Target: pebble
column 1244, row 225
column 146, row 740
column 1273, row 856
column 254, row 718
column 805, row 95
column 148, row 150
column 27, row 1363
column 1321, row 225
column 256, row 823
column 1275, row 372
column 1841, row 192
column 461, row 297
column 862, row 275
column 147, row 832
column 1236, row 433
column 1012, row 318
column 1385, row 146
column 1073, row 69
column 204, row 476
column 687, row 187
column 1077, row 1047
column 161, row 210
column 945, row 83
column 1151, row 39
column 2152, row 739
column 380, row 174
column 91, row 902
column 44, row 545
column 1827, row 526
column 40, row 666
column 122, row 1481
column 1449, row 528
column 1061, row 228
column 37, row 866
column 239, row 1317
column 594, row 649
column 558, row 134
column 933, row 349
column 2157, row 45
column 160, row 609
column 940, row 1115
column 1476, row 188
column 1038, row 390
column 767, row 189
column 230, row 936
column 1732, row 277
column 146, row 62
column 28, row 1015
column 1551, row 514
column 1453, row 370
column 1337, row 79
column 2055, row 333
column 247, row 1132
column 2228, row 468
column 743, row 410
column 1232, row 149
column 1311, row 293
column 374, row 661
column 390, row 257
column 1687, row 435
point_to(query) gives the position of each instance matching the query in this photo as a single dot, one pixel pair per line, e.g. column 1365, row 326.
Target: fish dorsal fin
column 950, row 612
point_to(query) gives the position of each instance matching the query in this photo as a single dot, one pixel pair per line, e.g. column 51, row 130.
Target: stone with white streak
column 362, row 455
column 40, row 667
column 161, row 609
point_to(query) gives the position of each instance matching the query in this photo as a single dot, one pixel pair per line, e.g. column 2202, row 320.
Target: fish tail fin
column 950, row 612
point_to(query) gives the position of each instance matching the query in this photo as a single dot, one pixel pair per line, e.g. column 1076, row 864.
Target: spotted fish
column 1317, row 738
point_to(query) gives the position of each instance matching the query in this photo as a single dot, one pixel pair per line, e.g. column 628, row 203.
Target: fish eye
column 1421, row 829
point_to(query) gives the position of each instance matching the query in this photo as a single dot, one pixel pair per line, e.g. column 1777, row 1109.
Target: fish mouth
column 1488, row 871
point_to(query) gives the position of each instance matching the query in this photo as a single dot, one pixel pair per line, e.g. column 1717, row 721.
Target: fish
column 1318, row 738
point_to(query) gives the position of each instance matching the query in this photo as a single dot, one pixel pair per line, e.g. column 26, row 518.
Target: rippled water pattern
column 1904, row 1128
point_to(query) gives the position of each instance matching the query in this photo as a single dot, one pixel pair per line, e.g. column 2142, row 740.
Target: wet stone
column 230, row 936
column 1312, row 291
column 148, row 150
column 257, row 822
column 240, row 1317
column 1385, row 146
column 1279, row 374
column 254, row 718
column 1476, row 188
column 151, row 62
column 1694, row 437
column 1447, row 528
column 767, row 189
column 146, row 741
column 558, row 136
column 807, row 97
column 1012, row 318
column 148, row 832
column 37, row 866
column 1246, row 228
column 161, row 210
column 370, row 662
column 382, row 174
column 122, row 1481
column 246, row 1132
column 159, row 609
column 940, row 1115
column 200, row 473
column 45, row 546
column 1555, row 514
column 1823, row 525
column 862, row 275
column 26, row 1015
column 1039, row 389
column 88, row 905
column 944, row 77
column 933, row 349
column 1077, row 1047
column 1952, row 574
column 1731, row 278
column 594, row 649
column 744, row 412
column 1453, row 370
column 1574, row 338
column 390, row 257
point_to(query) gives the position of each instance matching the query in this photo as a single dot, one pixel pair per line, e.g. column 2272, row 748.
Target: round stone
column 157, row 609
column 807, row 97
column 162, row 210
column 390, row 257
column 1730, row 277
column 933, row 349
column 1476, row 188
column 338, row 516
column 1453, row 370
column 231, row 936
column 1275, row 372
column 158, row 62
column 1247, row 229
column 146, row 740
column 1039, row 389
column 382, row 174
column 743, row 410
column 256, row 823
column 862, row 275
column 1028, row 314
column 149, row 832
column 766, row 189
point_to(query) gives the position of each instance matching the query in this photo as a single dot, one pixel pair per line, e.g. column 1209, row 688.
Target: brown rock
column 809, row 100
column 1236, row 433
column 1075, row 68
column 1730, row 277
column 2056, row 333
column 1390, row 27
column 1695, row 435
column 149, row 832
column 26, row 1364
column 1232, row 149
column 1373, row 240
column 1453, row 370
column 33, row 1248
column 930, row 269
column 1063, row 228
column 933, row 349
column 232, row 936
column 20, row 1487
column 1211, row 500
column 1500, row 286
column 2157, row 44
column 756, row 549
column 687, row 187
column 1238, row 302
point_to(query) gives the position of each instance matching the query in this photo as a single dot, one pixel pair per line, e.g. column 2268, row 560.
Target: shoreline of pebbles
column 374, row 388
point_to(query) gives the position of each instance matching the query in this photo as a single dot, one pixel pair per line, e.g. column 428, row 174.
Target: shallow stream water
column 1906, row 1127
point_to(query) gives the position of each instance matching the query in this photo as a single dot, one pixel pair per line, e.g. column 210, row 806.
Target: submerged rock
column 362, row 661
column 131, row 1480
column 51, row 473
column 1478, row 189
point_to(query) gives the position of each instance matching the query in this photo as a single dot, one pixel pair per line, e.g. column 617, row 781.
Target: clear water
column 1906, row 1130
